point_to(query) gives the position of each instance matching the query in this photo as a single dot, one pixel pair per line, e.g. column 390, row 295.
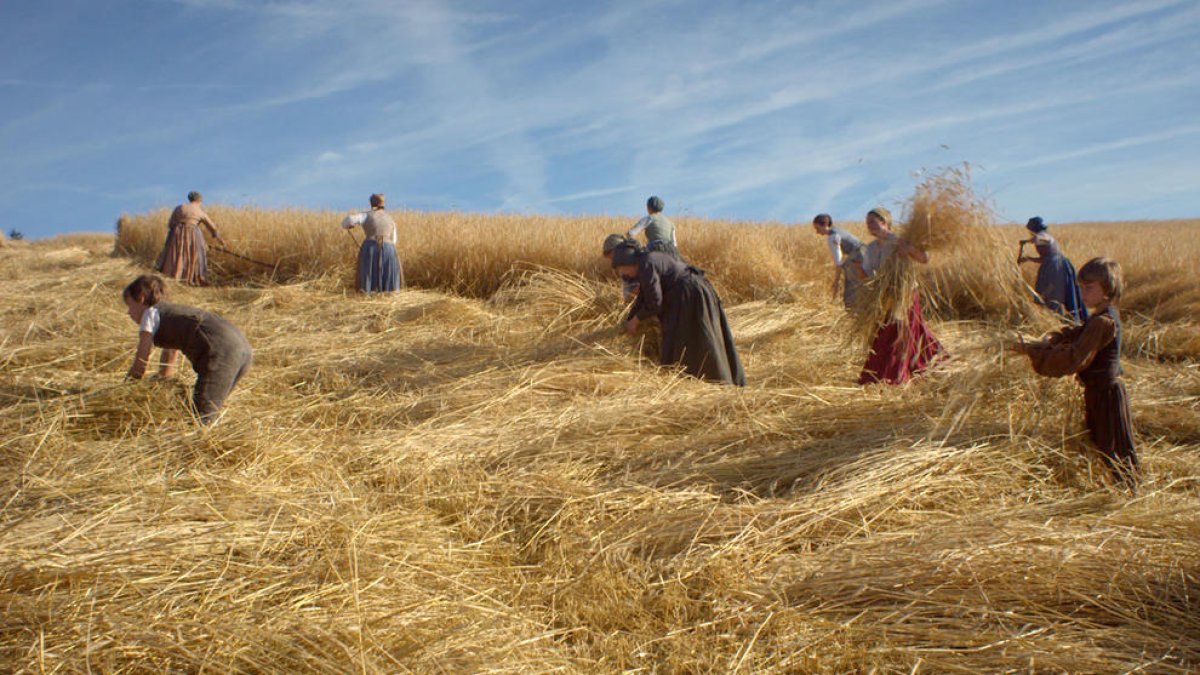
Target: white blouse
column 150, row 321
column 878, row 252
column 357, row 219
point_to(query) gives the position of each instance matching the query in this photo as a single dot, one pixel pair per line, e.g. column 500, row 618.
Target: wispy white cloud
column 1092, row 149
column 826, row 196
column 469, row 112
column 1138, row 188
column 592, row 194
column 309, row 11
column 1049, row 44
column 672, row 122
column 15, row 82
column 763, row 109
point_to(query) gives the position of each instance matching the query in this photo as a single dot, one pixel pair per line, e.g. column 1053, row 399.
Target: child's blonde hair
column 1107, row 272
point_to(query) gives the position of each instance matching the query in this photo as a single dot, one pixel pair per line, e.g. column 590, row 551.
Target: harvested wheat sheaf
column 492, row 480
column 979, row 280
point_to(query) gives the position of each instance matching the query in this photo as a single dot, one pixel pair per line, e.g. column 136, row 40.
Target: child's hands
column 1019, row 346
column 631, row 326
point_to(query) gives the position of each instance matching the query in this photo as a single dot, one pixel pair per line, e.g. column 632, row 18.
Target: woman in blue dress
column 1055, row 285
column 379, row 269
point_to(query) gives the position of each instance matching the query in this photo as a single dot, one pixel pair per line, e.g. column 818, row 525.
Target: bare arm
column 166, row 362
column 141, row 357
column 1032, row 258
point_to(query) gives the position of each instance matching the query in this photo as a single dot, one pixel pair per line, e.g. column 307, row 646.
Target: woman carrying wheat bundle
column 379, row 268
column 184, row 255
column 903, row 345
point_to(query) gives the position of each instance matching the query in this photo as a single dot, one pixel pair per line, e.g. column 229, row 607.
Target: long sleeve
column 208, row 222
column 650, row 295
column 1069, row 334
column 1072, row 350
column 354, row 220
column 636, row 308
column 638, row 227
column 629, row 288
column 835, row 248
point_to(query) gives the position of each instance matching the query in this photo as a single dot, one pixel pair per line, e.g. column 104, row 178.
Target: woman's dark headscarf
column 1035, row 225
column 625, row 255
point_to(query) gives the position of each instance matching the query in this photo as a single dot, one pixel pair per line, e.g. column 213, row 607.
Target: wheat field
column 479, row 475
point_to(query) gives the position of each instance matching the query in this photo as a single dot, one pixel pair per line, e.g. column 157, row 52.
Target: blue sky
column 754, row 110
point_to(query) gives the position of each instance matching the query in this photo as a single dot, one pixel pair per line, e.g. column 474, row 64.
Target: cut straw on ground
column 498, row 482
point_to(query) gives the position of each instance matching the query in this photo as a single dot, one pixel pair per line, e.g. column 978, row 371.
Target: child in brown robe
column 1092, row 352
column 218, row 351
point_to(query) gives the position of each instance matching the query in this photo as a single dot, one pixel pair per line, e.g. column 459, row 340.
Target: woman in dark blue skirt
column 1055, row 285
column 695, row 332
column 379, row 269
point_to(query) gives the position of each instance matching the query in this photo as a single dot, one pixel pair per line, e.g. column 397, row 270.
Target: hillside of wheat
column 478, row 474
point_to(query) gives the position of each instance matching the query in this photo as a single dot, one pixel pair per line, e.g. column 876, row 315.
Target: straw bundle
column 975, row 279
column 564, row 301
column 944, row 211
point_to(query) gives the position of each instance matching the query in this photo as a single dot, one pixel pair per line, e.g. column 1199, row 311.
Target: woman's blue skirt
column 378, row 267
column 1058, row 288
